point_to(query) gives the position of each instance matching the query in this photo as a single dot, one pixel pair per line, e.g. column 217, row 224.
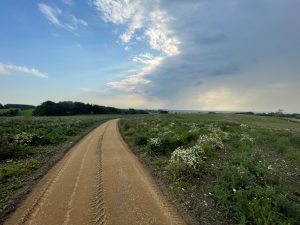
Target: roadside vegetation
column 223, row 168
column 29, row 146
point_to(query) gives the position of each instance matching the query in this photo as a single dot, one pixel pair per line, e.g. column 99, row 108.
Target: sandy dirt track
column 99, row 181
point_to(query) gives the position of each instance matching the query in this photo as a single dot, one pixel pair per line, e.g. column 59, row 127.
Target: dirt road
column 99, row 181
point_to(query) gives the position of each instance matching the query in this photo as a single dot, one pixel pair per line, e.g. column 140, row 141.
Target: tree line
column 16, row 106
column 68, row 108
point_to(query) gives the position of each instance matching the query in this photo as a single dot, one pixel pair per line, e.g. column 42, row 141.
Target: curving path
column 99, row 181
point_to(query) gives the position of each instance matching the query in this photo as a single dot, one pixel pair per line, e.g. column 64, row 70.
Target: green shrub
column 141, row 140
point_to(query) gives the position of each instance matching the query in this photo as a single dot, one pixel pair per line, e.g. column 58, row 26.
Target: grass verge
column 223, row 169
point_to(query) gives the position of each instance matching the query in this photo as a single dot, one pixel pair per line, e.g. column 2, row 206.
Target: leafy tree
column 163, row 111
column 67, row 108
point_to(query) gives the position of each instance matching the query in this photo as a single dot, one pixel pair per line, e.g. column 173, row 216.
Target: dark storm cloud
column 224, row 38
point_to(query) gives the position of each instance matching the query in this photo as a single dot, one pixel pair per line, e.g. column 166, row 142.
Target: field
column 223, row 168
column 29, row 146
column 19, row 112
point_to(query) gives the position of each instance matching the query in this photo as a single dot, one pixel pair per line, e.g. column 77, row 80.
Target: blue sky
column 192, row 54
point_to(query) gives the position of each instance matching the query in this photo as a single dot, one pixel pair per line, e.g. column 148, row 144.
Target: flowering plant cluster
column 213, row 140
column 155, row 142
column 209, row 141
column 244, row 126
column 190, row 157
column 23, row 138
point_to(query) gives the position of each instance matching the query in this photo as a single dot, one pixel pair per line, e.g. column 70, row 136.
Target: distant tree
column 47, row 108
column 1, row 106
column 67, row 108
column 132, row 111
column 279, row 112
column 19, row 106
column 163, row 111
column 246, row 113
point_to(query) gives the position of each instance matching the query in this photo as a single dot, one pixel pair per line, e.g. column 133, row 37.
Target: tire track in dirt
column 36, row 201
column 33, row 209
column 99, row 182
column 130, row 193
column 70, row 203
column 97, row 206
column 165, row 205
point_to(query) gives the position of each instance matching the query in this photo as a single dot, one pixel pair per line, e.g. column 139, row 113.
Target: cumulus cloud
column 141, row 15
column 59, row 19
column 148, row 19
column 138, row 77
column 161, row 38
column 6, row 69
column 129, row 83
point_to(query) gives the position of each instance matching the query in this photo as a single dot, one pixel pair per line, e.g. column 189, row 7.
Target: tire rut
column 166, row 205
column 97, row 206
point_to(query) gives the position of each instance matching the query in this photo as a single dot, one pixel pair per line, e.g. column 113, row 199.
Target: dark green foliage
column 10, row 112
column 19, row 106
column 141, row 140
column 163, row 111
column 50, row 108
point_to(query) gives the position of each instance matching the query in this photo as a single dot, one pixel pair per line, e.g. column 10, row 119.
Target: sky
column 233, row 55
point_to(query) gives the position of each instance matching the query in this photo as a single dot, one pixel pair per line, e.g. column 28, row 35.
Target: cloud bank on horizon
column 192, row 54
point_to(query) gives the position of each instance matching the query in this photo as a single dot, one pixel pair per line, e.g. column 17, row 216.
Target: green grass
column 223, row 168
column 30, row 144
column 26, row 112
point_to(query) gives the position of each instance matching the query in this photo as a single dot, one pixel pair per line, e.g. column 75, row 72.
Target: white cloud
column 144, row 16
column 10, row 68
column 51, row 14
column 118, row 11
column 59, row 19
column 78, row 22
column 141, row 15
column 160, row 37
column 131, row 82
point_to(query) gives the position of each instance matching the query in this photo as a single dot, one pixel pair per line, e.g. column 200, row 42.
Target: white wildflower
column 270, row 167
column 155, row 142
column 244, row 126
column 246, row 138
column 191, row 157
